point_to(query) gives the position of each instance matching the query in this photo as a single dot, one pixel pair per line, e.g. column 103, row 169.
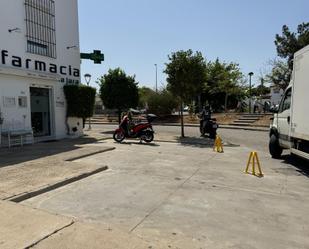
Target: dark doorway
column 40, row 111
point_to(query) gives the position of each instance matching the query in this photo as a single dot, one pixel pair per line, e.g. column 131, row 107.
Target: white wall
column 16, row 82
column 14, row 117
column 12, row 15
column 276, row 95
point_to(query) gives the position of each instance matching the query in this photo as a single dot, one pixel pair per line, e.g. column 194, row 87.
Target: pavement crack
column 284, row 185
column 171, row 194
column 49, row 235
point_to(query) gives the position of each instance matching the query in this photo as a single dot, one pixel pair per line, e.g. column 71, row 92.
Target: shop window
column 41, row 28
column 22, row 101
column 9, row 102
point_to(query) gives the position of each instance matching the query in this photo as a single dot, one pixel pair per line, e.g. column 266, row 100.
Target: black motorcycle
column 209, row 126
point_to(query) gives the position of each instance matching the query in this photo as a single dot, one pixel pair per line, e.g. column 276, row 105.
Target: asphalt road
column 255, row 140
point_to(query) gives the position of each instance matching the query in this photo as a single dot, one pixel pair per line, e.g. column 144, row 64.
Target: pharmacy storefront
column 39, row 54
column 32, row 95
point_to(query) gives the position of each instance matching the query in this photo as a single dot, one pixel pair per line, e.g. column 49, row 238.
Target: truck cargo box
column 300, row 96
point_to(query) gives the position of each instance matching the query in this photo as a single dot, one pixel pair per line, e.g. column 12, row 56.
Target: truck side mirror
column 274, row 109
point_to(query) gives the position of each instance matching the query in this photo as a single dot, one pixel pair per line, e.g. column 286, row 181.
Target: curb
column 220, row 127
column 227, row 144
column 244, row 128
column 166, row 141
column 248, row 128
column 90, row 154
column 28, row 195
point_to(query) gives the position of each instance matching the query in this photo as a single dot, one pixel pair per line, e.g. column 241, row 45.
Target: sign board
column 97, row 57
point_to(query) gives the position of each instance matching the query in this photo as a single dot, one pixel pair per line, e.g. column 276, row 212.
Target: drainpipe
column 1, row 122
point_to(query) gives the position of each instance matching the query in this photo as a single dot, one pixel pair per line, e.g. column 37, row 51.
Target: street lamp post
column 156, row 77
column 88, row 79
column 250, row 76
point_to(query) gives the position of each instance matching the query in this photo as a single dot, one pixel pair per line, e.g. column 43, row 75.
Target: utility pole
column 250, row 76
column 88, row 79
column 156, row 77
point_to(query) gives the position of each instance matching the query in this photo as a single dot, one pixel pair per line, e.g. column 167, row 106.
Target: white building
column 39, row 53
column 276, row 95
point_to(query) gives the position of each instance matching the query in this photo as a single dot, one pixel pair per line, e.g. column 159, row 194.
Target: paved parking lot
column 187, row 196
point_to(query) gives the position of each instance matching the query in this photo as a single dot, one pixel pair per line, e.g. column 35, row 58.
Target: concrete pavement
column 28, row 170
column 24, row 227
column 32, row 170
column 187, row 196
column 94, row 236
column 161, row 195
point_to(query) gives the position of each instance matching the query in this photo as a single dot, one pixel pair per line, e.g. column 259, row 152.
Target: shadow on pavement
column 202, row 142
column 107, row 132
column 138, row 143
column 16, row 155
column 301, row 165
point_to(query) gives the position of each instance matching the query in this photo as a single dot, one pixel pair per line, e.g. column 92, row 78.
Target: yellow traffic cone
column 218, row 146
column 254, row 159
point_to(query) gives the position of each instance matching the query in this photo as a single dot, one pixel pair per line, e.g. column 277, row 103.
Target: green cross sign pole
column 97, row 57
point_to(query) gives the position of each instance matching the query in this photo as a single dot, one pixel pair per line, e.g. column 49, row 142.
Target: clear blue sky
column 136, row 34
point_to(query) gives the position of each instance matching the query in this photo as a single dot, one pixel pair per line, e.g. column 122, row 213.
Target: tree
column 185, row 77
column 288, row 43
column 223, row 81
column 118, row 91
column 144, row 95
column 280, row 74
column 260, row 90
column 162, row 102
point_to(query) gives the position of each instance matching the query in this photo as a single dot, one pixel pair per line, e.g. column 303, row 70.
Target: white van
column 290, row 127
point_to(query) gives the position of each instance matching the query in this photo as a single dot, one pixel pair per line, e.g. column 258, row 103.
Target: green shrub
column 162, row 103
column 80, row 100
column 144, row 94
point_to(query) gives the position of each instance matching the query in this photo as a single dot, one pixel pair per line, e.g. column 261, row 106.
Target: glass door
column 40, row 111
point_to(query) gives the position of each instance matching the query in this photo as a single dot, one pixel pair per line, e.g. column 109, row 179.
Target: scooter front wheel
column 119, row 136
column 148, row 137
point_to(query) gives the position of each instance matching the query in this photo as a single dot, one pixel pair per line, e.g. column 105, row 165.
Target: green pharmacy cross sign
column 96, row 56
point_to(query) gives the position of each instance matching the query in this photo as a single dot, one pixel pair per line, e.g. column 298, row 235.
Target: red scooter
column 142, row 130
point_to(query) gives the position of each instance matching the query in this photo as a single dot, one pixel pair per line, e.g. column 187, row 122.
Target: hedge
column 80, row 100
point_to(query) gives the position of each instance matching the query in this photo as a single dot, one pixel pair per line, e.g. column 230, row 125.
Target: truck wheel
column 274, row 148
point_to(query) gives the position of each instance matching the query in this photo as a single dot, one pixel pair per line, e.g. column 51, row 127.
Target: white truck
column 290, row 126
